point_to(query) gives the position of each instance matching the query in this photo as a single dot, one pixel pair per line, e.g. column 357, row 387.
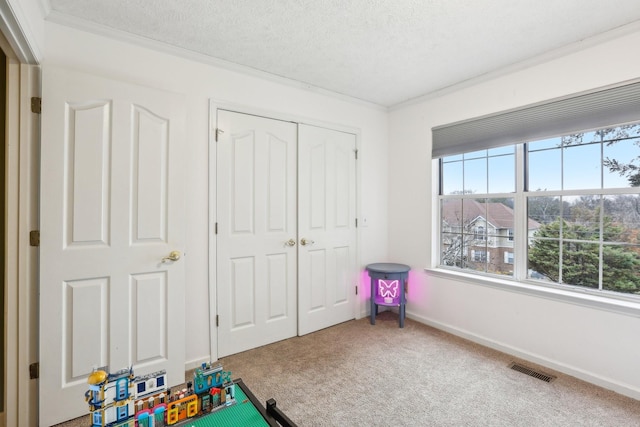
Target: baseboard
column 589, row 377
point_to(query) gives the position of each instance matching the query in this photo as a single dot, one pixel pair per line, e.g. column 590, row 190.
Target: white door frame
column 214, row 105
column 21, row 268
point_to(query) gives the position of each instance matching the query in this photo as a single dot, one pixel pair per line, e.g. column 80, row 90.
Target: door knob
column 173, row 256
column 290, row 242
column 305, row 242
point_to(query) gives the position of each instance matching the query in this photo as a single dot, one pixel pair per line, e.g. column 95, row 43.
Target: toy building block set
column 122, row 399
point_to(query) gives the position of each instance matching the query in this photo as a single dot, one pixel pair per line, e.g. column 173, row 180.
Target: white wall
column 594, row 344
column 201, row 82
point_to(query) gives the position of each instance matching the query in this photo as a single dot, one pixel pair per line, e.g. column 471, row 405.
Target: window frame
column 602, row 299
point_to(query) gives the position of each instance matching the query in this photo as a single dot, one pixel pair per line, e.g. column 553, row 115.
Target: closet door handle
column 173, row 256
column 305, row 242
column 290, row 242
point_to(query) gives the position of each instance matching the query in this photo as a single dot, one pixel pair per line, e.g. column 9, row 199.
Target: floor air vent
column 532, row 373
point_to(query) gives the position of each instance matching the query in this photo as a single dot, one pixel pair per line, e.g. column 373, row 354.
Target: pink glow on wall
column 415, row 293
column 365, row 289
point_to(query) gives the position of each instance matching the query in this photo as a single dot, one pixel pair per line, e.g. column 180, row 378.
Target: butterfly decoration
column 388, row 288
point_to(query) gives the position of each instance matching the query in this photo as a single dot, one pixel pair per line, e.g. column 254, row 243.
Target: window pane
column 451, row 236
column 497, row 264
column 507, row 149
column 582, row 217
column 475, row 155
column 491, row 224
column 475, row 176
column 451, row 215
column 474, row 214
column 580, row 138
column 616, row 156
column 622, row 218
column 582, row 167
column 452, row 178
column 502, row 174
column 580, row 264
column 455, row 157
column 544, row 260
column 545, row 170
column 590, row 137
column 620, row 132
column 451, row 249
column 544, row 144
column 476, row 255
column 500, row 219
column 621, row 268
column 471, row 210
column 543, row 211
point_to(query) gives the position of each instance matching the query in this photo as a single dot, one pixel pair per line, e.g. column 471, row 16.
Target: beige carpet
column 356, row 374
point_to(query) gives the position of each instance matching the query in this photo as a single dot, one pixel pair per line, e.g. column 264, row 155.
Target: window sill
column 618, row 305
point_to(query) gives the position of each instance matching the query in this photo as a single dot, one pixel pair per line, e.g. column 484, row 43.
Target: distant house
column 479, row 235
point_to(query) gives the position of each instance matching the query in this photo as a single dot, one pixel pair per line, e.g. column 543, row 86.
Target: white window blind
column 596, row 109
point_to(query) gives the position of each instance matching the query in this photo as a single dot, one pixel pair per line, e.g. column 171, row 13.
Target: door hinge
column 217, row 320
column 356, row 289
column 356, row 222
column 34, row 238
column 216, row 228
column 36, row 104
column 356, row 151
column 34, row 371
column 218, row 132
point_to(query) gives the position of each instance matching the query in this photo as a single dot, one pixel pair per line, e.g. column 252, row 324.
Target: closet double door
column 286, row 233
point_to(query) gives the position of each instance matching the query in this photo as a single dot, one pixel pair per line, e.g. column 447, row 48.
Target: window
column 473, row 225
column 564, row 175
column 588, row 213
column 508, row 257
column 479, row 256
column 480, row 233
column 579, row 197
column 556, row 188
column 122, row 389
column 123, row 412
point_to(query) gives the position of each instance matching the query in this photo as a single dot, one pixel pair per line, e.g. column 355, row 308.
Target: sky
column 581, row 164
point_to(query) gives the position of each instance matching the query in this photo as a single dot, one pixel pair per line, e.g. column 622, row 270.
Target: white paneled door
column 112, row 210
column 285, row 250
column 326, row 226
column 256, row 242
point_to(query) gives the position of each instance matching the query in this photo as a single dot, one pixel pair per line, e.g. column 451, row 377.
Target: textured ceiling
column 381, row 51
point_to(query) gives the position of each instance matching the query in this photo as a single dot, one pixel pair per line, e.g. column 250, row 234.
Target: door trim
column 359, row 307
column 21, row 260
column 21, row 275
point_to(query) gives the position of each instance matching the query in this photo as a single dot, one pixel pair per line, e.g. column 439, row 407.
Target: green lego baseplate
column 242, row 413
